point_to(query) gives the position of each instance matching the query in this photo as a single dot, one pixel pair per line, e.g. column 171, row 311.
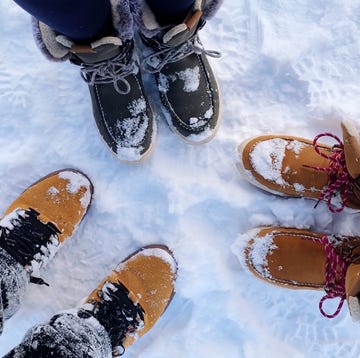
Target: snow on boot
column 130, row 300
column 65, row 335
column 297, row 167
column 121, row 109
column 110, row 67
column 34, row 226
column 302, row 259
column 185, row 80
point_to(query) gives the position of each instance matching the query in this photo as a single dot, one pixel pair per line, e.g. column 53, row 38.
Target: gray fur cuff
column 45, row 37
column 148, row 25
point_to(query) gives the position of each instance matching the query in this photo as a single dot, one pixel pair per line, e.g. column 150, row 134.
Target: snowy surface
column 288, row 67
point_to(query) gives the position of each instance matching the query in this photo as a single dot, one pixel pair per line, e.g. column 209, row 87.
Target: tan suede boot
column 303, row 259
column 43, row 216
column 130, row 300
column 297, row 167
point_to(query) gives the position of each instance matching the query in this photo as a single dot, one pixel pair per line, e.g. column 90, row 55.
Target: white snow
column 75, row 182
column 287, row 67
column 191, row 78
column 259, row 156
column 260, row 250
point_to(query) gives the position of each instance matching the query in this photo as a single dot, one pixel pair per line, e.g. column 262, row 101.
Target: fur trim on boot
column 148, row 25
column 45, row 37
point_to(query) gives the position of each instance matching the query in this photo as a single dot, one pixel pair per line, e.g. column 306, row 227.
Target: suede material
column 149, row 275
column 352, row 282
column 61, row 197
column 294, row 177
column 297, row 259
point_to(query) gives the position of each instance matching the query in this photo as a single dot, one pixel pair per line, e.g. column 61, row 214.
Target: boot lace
column 112, row 71
column 169, row 54
column 335, row 272
column 117, row 313
column 27, row 239
column 340, row 181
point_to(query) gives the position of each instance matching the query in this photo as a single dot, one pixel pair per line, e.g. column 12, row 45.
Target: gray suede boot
column 185, row 80
column 111, row 69
column 121, row 109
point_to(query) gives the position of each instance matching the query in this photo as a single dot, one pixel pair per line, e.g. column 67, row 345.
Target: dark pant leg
column 80, row 20
column 66, row 335
column 170, row 12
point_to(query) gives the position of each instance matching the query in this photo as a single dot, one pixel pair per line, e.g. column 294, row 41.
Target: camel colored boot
column 297, row 167
column 32, row 229
column 302, row 259
column 130, row 300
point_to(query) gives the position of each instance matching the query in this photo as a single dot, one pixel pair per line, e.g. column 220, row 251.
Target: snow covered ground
column 287, row 67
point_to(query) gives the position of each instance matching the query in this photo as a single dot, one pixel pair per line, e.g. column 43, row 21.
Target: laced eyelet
column 340, row 181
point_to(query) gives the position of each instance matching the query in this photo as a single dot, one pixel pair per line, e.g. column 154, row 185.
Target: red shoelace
column 340, row 180
column 335, row 272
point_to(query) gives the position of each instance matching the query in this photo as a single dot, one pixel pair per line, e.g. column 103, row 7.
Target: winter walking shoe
column 121, row 109
column 297, row 167
column 298, row 259
column 44, row 215
column 130, row 300
column 110, row 68
column 32, row 229
column 185, row 80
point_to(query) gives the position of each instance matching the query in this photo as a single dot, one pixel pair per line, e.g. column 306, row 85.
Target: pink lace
column 335, row 272
column 339, row 177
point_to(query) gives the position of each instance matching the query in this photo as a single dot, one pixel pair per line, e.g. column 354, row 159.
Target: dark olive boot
column 185, row 80
column 111, row 69
column 121, row 109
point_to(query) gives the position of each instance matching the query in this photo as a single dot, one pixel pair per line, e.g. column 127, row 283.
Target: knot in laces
column 335, row 272
column 340, row 180
column 28, row 240
column 117, row 313
column 112, row 71
column 169, row 54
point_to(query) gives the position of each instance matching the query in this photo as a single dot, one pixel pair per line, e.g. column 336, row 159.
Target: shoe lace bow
column 335, row 273
column 110, row 71
column 340, row 181
column 117, row 313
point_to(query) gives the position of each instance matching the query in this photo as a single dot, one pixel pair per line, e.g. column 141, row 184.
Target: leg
column 65, row 335
column 13, row 284
column 170, row 12
column 80, row 20
column 125, row 305
column 33, row 228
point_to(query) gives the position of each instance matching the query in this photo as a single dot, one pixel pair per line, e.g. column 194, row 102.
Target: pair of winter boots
column 112, row 69
column 127, row 303
column 296, row 167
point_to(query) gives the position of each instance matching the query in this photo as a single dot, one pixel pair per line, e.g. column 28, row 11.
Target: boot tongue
column 178, row 34
column 352, row 148
column 352, row 287
column 98, row 51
